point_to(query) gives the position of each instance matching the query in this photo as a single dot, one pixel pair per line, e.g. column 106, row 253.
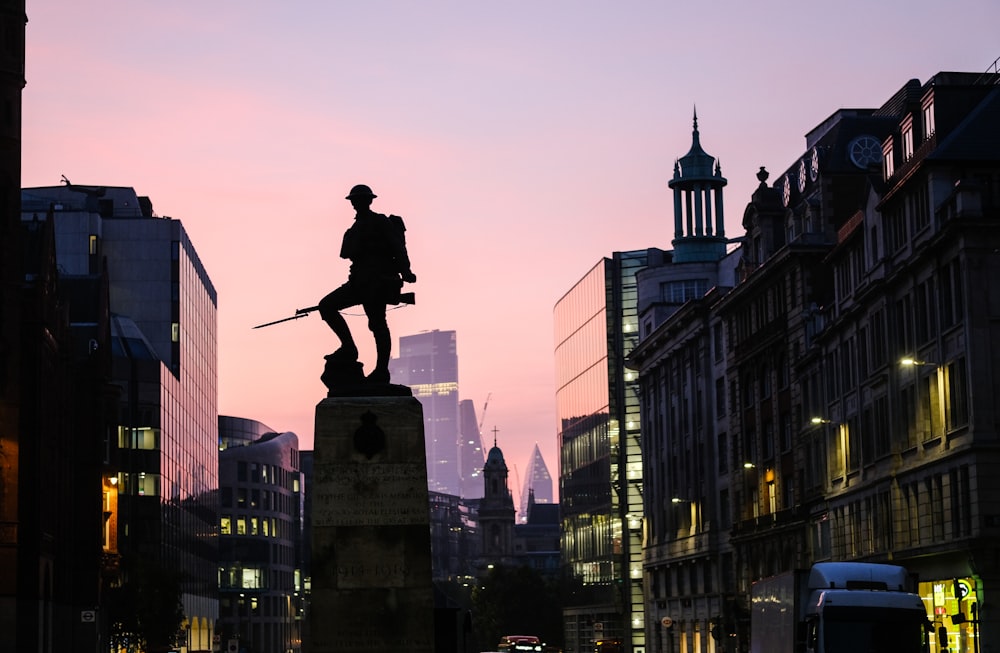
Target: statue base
column 371, row 557
column 343, row 375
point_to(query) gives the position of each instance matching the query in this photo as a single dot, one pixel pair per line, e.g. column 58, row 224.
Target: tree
column 145, row 610
column 516, row 601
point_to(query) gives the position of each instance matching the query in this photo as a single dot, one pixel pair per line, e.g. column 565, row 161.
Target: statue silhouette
column 376, row 246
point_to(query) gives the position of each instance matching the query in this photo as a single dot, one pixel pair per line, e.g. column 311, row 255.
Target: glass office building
column 261, row 586
column 428, row 363
column 600, row 467
column 163, row 329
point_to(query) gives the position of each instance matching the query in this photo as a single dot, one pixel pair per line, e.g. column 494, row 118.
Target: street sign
column 88, row 616
column 666, row 622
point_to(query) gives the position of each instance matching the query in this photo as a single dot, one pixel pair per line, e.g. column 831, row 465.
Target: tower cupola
column 699, row 225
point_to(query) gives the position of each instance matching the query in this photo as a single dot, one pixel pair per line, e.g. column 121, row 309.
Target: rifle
column 404, row 298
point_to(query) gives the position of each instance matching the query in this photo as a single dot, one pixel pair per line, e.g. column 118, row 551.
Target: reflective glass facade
column 164, row 346
column 261, row 585
column 428, row 363
column 600, row 467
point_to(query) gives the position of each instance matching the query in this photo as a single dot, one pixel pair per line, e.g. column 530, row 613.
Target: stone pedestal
column 371, row 558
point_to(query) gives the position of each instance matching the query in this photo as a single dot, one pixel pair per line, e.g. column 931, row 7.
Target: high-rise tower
column 163, row 333
column 600, row 472
column 537, row 484
column 428, row 363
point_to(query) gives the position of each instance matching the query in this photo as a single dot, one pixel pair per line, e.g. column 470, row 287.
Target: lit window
column 93, row 244
column 928, row 116
column 175, row 332
column 241, row 526
column 226, row 525
column 908, row 143
column 888, row 160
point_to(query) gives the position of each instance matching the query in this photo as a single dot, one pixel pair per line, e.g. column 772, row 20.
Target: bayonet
column 404, row 298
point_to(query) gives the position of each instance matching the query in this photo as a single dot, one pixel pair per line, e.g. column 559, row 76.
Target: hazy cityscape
column 814, row 387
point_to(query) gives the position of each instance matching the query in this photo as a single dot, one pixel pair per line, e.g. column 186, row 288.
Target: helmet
column 361, row 191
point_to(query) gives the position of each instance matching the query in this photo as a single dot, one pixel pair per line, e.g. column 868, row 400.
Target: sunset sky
column 521, row 142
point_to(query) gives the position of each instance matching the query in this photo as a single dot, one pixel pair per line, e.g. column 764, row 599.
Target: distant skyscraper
column 470, row 451
column 428, row 364
column 163, row 332
column 536, row 480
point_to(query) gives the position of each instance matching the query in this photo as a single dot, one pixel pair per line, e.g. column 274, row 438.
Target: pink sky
column 521, row 141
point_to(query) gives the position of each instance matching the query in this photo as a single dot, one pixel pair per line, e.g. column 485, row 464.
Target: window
column 958, row 394
column 720, row 397
column 853, row 442
column 908, row 142
column 880, row 426
column 888, row 159
column 878, row 345
column 906, row 425
column 226, row 525
column 950, row 290
column 767, row 440
column 678, row 292
column 144, row 437
column 904, row 325
column 927, row 113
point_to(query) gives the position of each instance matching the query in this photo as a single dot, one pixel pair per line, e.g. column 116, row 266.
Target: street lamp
column 909, row 361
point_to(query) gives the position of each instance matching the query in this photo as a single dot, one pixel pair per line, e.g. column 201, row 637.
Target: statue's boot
column 345, row 352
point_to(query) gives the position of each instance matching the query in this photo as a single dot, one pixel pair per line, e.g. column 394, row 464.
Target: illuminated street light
column 913, row 362
column 820, row 420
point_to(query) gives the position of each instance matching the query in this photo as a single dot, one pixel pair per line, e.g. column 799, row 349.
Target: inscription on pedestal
column 370, row 494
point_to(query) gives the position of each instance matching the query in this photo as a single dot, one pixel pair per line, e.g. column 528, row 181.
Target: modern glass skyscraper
column 164, row 358
column 470, row 451
column 428, row 363
column 537, row 483
column 600, row 468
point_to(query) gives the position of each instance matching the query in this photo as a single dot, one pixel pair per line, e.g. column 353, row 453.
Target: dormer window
column 906, row 136
column 927, row 112
column 888, row 160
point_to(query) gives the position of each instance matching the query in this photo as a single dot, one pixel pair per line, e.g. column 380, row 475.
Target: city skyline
column 518, row 151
